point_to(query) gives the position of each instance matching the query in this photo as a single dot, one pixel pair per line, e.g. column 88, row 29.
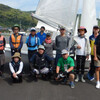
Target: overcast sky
column 30, row 5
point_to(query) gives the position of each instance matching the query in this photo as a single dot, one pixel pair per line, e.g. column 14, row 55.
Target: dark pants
column 2, row 68
column 19, row 80
column 92, row 67
column 13, row 51
column 80, row 64
column 58, row 56
column 31, row 53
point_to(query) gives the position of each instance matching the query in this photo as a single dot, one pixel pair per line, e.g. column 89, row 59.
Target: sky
column 30, row 5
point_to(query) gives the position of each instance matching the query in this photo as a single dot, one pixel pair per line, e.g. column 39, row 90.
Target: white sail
column 49, row 28
column 89, row 15
column 57, row 12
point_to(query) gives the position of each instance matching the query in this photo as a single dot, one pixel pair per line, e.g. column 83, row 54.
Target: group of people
column 42, row 62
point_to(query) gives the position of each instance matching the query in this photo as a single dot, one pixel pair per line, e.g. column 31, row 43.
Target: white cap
column 41, row 47
column 64, row 51
column 32, row 29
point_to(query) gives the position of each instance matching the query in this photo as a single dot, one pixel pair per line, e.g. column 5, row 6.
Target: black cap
column 48, row 34
column 62, row 28
column 96, row 27
column 43, row 27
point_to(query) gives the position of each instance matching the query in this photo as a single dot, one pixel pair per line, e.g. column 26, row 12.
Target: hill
column 10, row 16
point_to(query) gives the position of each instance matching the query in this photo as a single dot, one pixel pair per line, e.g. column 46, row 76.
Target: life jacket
column 40, row 61
column 15, row 65
column 29, row 41
column 16, row 41
column 1, row 43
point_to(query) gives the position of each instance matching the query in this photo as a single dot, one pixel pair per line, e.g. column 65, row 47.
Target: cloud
column 25, row 5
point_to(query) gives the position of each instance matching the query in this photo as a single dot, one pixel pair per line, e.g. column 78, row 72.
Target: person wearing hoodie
column 49, row 45
column 82, row 52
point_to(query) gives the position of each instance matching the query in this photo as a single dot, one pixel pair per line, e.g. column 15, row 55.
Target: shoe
column 91, row 78
column 98, row 86
column 72, row 85
column 77, row 78
column 82, row 79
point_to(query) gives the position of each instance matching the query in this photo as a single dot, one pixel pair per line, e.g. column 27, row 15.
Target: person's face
column 96, row 30
column 65, row 56
column 62, row 31
column 82, row 32
column 48, row 37
column 42, row 29
column 33, row 33
column 41, row 51
column 16, row 30
column 16, row 59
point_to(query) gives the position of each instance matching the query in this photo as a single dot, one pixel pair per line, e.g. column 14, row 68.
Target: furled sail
column 89, row 15
column 57, row 12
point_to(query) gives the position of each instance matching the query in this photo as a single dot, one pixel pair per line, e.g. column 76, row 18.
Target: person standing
column 82, row 52
column 2, row 55
column 92, row 38
column 16, row 40
column 61, row 43
column 32, row 42
column 97, row 60
column 49, row 45
column 42, row 35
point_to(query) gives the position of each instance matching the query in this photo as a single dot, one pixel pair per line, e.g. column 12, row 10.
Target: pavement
column 43, row 90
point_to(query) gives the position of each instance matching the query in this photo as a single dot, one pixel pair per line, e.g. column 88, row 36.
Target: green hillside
column 10, row 16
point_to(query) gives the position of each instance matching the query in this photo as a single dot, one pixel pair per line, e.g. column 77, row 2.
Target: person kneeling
column 16, row 67
column 41, row 64
column 65, row 68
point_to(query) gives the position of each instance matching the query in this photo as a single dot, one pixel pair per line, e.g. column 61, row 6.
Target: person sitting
column 41, row 64
column 16, row 67
column 65, row 68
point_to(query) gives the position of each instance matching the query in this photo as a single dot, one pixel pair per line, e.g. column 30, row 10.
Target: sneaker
column 77, row 78
column 82, row 79
column 72, row 85
column 91, row 78
column 98, row 86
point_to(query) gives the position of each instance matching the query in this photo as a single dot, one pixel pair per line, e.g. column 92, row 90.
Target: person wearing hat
column 82, row 52
column 2, row 55
column 41, row 64
column 61, row 43
column 66, row 67
column 42, row 35
column 16, row 40
column 49, row 45
column 16, row 67
column 32, row 42
column 92, row 39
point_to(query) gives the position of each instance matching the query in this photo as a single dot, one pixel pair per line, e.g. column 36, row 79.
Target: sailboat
column 54, row 14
